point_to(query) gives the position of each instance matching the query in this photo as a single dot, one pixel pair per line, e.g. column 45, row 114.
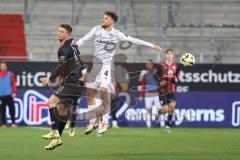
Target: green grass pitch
column 24, row 143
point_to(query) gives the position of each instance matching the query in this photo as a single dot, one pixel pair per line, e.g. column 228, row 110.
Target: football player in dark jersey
column 68, row 89
column 168, row 74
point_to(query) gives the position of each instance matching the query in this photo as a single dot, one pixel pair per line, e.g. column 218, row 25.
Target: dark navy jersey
column 67, row 60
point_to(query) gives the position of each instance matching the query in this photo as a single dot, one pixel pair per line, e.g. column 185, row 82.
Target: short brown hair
column 169, row 50
column 67, row 27
column 112, row 14
column 149, row 61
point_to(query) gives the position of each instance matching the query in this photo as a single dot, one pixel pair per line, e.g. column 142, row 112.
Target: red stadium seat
column 12, row 39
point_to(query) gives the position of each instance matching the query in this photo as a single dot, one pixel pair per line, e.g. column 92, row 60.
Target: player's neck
column 169, row 62
column 63, row 41
column 151, row 70
column 108, row 29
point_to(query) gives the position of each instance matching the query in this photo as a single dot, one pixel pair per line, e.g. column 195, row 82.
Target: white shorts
column 152, row 99
column 100, row 77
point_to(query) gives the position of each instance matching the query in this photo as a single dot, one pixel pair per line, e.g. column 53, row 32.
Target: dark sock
column 73, row 120
column 62, row 123
column 54, row 115
column 169, row 120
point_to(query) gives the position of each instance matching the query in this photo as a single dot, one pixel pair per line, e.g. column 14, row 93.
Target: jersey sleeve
column 63, row 57
column 143, row 85
column 87, row 37
column 84, row 71
column 13, row 83
column 157, row 76
column 177, row 71
column 136, row 41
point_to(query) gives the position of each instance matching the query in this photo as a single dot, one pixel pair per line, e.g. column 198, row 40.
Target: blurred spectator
column 149, row 90
column 7, row 93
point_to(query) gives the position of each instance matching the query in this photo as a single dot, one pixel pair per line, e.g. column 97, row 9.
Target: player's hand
column 45, row 81
column 158, row 48
column 75, row 45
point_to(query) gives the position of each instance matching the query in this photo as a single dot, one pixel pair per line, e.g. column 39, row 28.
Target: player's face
column 169, row 56
column 62, row 34
column 149, row 66
column 3, row 67
column 107, row 21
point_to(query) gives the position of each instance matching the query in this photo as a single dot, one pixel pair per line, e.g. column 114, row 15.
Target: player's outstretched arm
column 87, row 37
column 136, row 41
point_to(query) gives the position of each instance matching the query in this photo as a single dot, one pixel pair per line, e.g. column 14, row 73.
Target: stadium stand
column 12, row 39
column 220, row 38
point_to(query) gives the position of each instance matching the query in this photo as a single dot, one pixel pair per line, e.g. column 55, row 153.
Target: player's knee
column 99, row 113
column 170, row 109
column 51, row 103
column 63, row 110
column 172, row 105
column 105, row 97
column 73, row 110
column 90, row 101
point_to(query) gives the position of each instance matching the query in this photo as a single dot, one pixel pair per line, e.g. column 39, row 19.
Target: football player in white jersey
column 106, row 40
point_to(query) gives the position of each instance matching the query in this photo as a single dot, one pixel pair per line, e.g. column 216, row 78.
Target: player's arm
column 13, row 84
column 87, row 37
column 143, row 72
column 58, row 69
column 143, row 87
column 158, row 76
column 158, row 73
column 140, row 42
column 84, row 74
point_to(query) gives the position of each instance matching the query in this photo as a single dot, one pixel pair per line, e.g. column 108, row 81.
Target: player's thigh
column 148, row 102
column 172, row 101
column 52, row 101
column 105, row 78
column 164, row 103
column 104, row 94
column 10, row 101
column 90, row 96
column 114, row 100
column 63, row 109
column 164, row 108
column 3, row 106
column 172, row 105
column 2, row 102
column 156, row 101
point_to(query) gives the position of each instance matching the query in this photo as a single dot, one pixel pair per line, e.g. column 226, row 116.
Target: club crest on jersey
column 174, row 67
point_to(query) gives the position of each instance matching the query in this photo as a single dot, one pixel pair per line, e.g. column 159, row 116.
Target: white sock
column 105, row 118
column 92, row 114
column 148, row 117
column 148, row 120
column 55, row 131
column 114, row 123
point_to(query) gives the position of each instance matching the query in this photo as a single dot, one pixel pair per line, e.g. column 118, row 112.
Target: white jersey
column 106, row 43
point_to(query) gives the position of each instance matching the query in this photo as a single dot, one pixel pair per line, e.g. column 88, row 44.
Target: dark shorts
column 68, row 94
column 167, row 98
